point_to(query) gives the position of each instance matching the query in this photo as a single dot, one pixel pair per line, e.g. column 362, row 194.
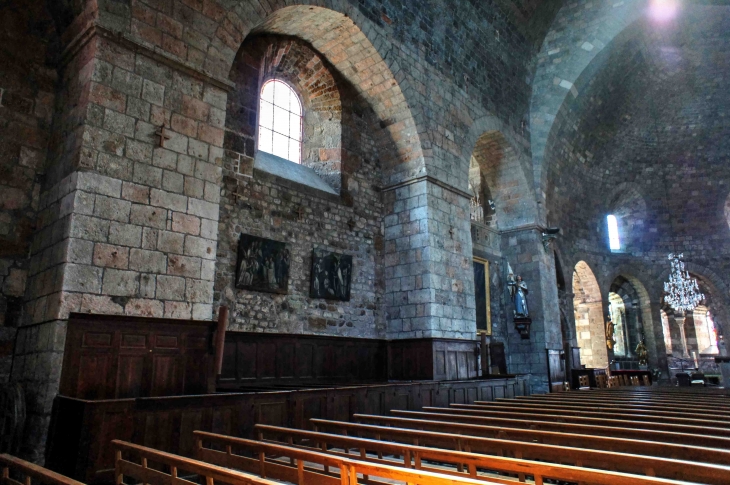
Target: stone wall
column 264, row 205
column 132, row 218
column 27, row 92
column 633, row 142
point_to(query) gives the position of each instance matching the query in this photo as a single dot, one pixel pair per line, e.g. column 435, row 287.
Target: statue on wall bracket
column 518, row 294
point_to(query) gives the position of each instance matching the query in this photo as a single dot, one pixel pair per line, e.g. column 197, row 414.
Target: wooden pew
column 605, row 406
column 12, row 467
column 559, row 397
column 613, row 431
column 418, row 456
column 144, row 470
column 699, row 454
column 621, row 462
column 611, row 414
column 297, row 471
column 555, row 417
column 601, row 394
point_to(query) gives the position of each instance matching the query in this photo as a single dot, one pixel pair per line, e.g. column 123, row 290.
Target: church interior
column 364, row 242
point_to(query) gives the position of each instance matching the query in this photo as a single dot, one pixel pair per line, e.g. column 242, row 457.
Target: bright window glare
column 280, row 121
column 613, row 239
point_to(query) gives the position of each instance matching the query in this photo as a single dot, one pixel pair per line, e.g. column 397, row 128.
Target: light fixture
column 682, row 292
column 663, row 10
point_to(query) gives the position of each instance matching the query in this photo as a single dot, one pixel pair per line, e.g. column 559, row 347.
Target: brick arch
column 504, row 170
column 588, row 317
column 266, row 57
column 338, row 33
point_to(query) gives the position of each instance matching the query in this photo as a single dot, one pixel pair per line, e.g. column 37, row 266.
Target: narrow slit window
column 614, row 240
column 280, row 121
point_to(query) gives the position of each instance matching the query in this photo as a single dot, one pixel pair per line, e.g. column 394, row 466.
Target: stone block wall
column 27, row 94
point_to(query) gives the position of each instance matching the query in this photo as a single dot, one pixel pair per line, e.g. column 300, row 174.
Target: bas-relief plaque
column 331, row 275
column 263, row 265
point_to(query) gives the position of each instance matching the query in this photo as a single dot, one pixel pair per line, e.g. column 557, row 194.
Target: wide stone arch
column 347, row 40
column 580, row 32
column 588, row 316
column 507, row 170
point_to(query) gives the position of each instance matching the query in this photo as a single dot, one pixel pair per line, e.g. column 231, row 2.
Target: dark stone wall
column 267, row 206
column 646, row 139
column 28, row 51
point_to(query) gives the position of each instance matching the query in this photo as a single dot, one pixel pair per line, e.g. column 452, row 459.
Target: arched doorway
column 589, row 322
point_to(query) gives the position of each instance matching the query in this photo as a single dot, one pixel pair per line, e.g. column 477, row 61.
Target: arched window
column 614, row 241
column 280, row 121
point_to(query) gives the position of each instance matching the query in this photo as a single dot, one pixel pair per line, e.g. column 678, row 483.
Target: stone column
column 523, row 249
column 679, row 320
column 428, row 259
column 655, row 338
column 129, row 216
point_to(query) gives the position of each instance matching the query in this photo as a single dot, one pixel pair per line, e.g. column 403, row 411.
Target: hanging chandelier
column 682, row 292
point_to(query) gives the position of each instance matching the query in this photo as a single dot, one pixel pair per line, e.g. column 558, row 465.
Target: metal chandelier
column 682, row 292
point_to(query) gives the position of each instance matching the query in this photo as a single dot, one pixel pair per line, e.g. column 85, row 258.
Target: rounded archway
column 589, row 323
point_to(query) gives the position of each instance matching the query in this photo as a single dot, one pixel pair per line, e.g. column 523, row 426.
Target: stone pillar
column 523, row 249
column 428, row 262
column 129, row 217
column 655, row 337
column 679, row 320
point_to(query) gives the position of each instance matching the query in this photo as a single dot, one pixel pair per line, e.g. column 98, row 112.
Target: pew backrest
column 151, row 468
column 11, row 467
column 417, row 456
column 349, row 468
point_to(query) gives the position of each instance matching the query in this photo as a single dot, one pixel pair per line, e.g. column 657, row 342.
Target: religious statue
column 609, row 333
column 642, row 353
column 518, row 291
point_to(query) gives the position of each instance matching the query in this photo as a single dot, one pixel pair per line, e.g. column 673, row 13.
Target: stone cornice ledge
column 154, row 53
column 429, row 179
column 526, row 227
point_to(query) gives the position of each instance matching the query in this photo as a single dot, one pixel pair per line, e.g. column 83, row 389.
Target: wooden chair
column 566, row 386
column 683, row 379
column 602, row 381
column 584, row 383
column 624, row 380
column 613, row 382
column 635, row 381
column 697, row 379
column 646, row 380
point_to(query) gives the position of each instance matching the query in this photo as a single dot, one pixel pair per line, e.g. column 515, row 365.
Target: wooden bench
column 15, row 471
column 613, row 431
column 699, row 454
column 635, row 464
column 592, row 399
column 556, row 417
column 423, row 458
column 636, row 395
column 611, row 414
column 296, row 470
column 152, row 466
column 606, row 406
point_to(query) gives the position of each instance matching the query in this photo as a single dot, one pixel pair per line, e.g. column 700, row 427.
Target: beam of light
column 663, row 10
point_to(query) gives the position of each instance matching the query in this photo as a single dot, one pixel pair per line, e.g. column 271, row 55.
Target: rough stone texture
column 269, row 206
column 644, row 138
column 560, row 112
column 27, row 93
